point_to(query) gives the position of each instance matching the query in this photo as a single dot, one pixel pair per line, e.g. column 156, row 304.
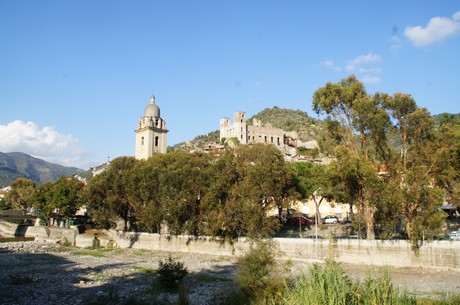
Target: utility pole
column 315, row 194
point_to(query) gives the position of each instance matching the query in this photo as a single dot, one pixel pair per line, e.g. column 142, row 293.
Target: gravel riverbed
column 45, row 273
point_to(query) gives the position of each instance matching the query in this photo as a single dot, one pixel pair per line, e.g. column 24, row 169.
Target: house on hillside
column 3, row 191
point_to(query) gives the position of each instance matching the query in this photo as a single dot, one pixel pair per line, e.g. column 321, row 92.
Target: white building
column 151, row 132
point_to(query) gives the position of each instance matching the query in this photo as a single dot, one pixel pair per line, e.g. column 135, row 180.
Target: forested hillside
column 19, row 165
column 196, row 144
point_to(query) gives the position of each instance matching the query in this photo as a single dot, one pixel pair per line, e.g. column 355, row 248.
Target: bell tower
column 150, row 133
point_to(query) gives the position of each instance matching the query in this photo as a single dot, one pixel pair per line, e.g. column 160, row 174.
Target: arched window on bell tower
column 156, row 141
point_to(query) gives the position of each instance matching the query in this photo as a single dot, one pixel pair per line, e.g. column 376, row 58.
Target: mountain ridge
column 15, row 165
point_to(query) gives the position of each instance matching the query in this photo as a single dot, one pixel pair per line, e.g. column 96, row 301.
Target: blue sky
column 75, row 76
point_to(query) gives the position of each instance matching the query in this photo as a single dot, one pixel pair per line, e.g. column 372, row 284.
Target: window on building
column 271, row 140
column 156, row 141
column 265, row 139
column 278, row 141
column 142, row 141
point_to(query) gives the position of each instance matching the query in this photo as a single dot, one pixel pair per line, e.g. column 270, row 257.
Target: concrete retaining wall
column 441, row 255
column 398, row 253
column 42, row 232
column 181, row 243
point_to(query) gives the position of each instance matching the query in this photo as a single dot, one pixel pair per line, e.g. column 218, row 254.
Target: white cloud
column 456, row 16
column 365, row 59
column 366, row 67
column 373, row 70
column 330, row 64
column 371, row 79
column 437, row 29
column 350, row 68
column 45, row 143
column 396, row 43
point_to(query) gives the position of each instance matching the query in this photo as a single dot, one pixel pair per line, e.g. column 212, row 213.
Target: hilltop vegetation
column 307, row 127
column 447, row 118
column 197, row 143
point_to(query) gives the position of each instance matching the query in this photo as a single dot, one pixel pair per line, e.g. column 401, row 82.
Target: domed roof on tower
column 152, row 110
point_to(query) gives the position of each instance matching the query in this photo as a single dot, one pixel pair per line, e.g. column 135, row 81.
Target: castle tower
column 224, row 128
column 150, row 133
column 240, row 127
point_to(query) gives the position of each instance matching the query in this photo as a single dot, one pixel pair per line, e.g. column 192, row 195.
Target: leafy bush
column 327, row 284
column 171, row 273
column 259, row 275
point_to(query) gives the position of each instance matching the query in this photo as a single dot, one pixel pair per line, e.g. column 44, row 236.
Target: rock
column 100, row 293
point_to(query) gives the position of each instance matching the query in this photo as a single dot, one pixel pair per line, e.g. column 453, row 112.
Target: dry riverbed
column 44, row 273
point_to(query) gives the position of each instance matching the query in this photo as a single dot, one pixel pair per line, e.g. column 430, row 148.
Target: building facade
column 151, row 132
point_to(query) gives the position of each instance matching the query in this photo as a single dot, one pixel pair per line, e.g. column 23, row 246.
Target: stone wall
column 440, row 255
column 42, row 232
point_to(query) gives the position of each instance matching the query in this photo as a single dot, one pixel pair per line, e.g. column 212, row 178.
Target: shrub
column 259, row 275
column 323, row 285
column 171, row 273
column 328, row 284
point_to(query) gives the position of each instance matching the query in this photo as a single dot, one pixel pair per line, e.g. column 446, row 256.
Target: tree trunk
column 369, row 214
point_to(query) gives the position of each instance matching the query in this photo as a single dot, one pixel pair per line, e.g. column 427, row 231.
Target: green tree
column 66, row 195
column 21, row 194
column 107, row 194
column 448, row 156
column 145, row 195
column 221, row 215
column 42, row 201
column 424, row 168
column 356, row 125
column 248, row 181
column 312, row 181
column 99, row 207
column 182, row 180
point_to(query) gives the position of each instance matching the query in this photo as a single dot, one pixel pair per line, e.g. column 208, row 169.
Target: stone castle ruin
column 240, row 131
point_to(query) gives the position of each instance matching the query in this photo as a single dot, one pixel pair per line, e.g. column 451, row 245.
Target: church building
column 151, row 132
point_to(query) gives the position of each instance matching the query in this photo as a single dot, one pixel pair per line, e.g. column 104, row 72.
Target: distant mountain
column 307, row 127
column 19, row 165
